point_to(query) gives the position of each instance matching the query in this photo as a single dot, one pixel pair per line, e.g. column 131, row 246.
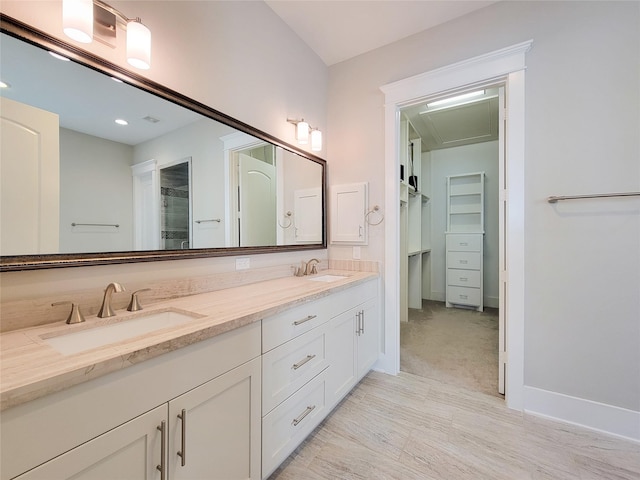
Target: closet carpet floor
column 457, row 346
column 407, row 427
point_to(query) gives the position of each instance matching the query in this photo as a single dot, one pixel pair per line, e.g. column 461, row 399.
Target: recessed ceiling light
column 457, row 98
column 4, row 85
column 120, row 121
column 58, row 56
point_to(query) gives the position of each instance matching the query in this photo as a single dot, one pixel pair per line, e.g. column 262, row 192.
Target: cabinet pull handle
column 300, row 417
column 464, row 296
column 300, row 322
column 182, row 453
column 464, row 244
column 362, row 317
column 464, row 262
column 463, row 279
column 163, row 445
column 296, row 366
column 359, row 230
column 358, row 323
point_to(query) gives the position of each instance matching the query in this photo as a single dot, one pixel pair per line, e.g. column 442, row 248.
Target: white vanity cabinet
column 132, row 450
column 354, row 339
column 108, row 427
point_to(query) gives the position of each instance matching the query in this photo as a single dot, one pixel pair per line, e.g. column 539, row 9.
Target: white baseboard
column 605, row 418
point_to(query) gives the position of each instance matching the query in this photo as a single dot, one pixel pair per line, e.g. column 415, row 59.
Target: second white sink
column 117, row 331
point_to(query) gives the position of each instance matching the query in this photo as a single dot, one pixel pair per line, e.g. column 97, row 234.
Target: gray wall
column 582, row 267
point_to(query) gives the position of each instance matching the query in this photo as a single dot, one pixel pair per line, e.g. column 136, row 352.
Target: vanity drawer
column 463, row 295
column 464, row 242
column 289, row 423
column 464, row 260
column 463, row 278
column 288, row 367
column 284, row 326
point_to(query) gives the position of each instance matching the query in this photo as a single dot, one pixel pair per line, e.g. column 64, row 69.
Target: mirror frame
column 24, row 32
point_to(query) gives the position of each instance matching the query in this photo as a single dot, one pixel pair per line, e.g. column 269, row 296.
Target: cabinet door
column 368, row 336
column 215, row 428
column 348, row 210
column 341, row 352
column 130, row 451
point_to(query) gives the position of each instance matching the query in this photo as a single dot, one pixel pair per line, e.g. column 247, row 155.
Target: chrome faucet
column 106, row 310
column 311, row 266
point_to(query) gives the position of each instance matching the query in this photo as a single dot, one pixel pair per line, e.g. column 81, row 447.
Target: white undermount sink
column 327, row 278
column 112, row 330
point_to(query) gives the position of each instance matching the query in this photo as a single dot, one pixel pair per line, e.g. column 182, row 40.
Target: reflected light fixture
column 304, row 131
column 88, row 20
column 458, row 98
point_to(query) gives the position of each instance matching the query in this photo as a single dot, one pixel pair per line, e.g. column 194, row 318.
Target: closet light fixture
column 304, row 131
column 88, row 20
column 458, row 98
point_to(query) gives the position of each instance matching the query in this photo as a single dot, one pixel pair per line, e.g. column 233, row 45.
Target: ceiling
column 335, row 29
column 341, row 29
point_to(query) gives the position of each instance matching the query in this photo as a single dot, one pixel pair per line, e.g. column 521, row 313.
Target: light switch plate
column 243, row 263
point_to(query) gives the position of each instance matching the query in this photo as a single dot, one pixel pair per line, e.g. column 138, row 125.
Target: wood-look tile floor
column 409, row 427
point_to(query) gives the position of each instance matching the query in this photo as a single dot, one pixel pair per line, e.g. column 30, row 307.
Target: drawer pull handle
column 309, row 409
column 296, row 366
column 300, row 322
column 183, row 450
column 464, row 244
column 464, row 262
column 464, row 279
column 464, row 297
column 162, row 428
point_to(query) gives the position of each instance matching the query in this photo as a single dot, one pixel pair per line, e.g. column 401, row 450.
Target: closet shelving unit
column 465, row 240
column 415, row 221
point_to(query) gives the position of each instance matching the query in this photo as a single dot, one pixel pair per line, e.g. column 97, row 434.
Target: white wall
column 481, row 157
column 582, row 271
column 237, row 57
column 95, row 187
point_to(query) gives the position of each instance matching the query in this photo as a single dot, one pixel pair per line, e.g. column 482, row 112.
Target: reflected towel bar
column 595, row 195
column 74, row 224
column 212, row 220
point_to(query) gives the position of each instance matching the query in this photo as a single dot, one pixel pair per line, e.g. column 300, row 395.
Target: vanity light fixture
column 88, row 20
column 304, row 131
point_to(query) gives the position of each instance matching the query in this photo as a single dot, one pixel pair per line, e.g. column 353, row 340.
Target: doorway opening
column 505, row 66
column 175, row 205
column 449, row 231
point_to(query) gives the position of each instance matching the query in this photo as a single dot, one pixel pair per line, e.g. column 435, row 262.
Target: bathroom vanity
column 228, row 394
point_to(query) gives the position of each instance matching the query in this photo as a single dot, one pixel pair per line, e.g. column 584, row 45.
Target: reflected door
column 257, row 202
column 30, row 179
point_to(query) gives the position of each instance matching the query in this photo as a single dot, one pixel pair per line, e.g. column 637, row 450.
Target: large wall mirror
column 101, row 166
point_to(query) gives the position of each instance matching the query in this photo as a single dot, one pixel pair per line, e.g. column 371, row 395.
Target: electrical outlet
column 243, row 263
column 356, row 253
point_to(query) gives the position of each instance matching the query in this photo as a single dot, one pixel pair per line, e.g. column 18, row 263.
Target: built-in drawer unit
column 286, row 426
column 464, row 270
column 463, row 278
column 463, row 296
column 284, row 326
column 287, row 368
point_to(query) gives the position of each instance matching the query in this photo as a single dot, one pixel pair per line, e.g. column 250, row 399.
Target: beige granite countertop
column 30, row 368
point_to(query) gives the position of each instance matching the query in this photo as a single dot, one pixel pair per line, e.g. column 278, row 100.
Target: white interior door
column 30, row 179
column 502, row 261
column 257, row 209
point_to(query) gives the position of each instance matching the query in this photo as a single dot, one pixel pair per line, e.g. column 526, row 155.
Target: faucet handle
column 134, row 304
column 75, row 316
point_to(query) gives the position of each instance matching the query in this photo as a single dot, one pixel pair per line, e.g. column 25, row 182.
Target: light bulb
column 316, row 140
column 138, row 45
column 77, row 20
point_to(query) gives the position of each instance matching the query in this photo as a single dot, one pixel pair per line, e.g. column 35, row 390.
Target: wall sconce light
column 88, row 20
column 304, row 130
